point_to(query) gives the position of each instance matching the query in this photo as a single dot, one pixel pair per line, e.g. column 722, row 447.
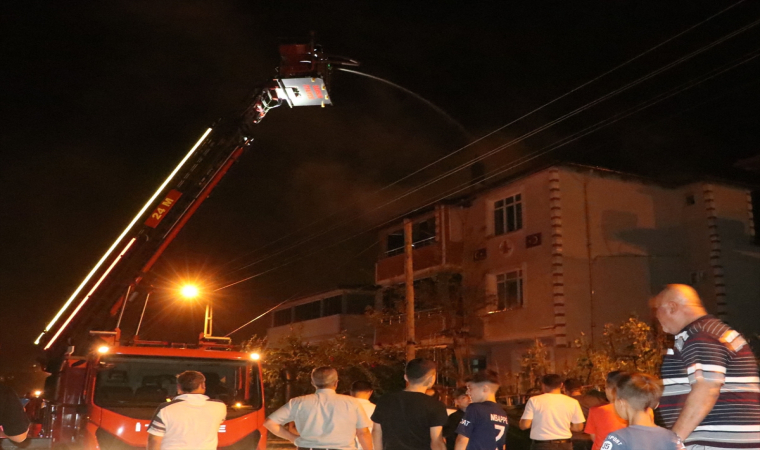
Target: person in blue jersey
column 484, row 426
column 635, row 394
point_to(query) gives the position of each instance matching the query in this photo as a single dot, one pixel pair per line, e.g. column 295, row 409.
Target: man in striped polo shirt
column 712, row 389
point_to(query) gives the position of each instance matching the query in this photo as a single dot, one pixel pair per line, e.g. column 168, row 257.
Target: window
column 308, row 311
column 282, row 317
column 507, row 215
column 395, row 244
column 134, row 382
column 332, row 306
column 357, row 303
column 423, row 233
column 509, row 290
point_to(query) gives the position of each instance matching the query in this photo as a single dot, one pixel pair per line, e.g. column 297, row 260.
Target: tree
column 287, row 367
column 535, row 363
column 631, row 345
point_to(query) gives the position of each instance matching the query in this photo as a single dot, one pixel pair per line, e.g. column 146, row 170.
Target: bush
column 354, row 360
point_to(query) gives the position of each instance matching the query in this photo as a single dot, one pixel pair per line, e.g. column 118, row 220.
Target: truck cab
column 107, row 399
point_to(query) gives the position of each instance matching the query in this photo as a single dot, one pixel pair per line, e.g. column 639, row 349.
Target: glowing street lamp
column 191, row 291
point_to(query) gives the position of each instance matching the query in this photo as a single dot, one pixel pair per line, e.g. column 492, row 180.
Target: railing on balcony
column 427, row 256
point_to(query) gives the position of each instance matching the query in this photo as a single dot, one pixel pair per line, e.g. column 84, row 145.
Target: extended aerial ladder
column 303, row 79
column 102, row 391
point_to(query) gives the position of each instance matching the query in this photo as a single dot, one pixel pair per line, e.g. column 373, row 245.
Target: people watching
column 635, row 395
column 362, row 391
column 461, row 401
column 603, row 420
column 552, row 416
column 484, row 426
column 410, row 419
column 324, row 419
column 710, row 375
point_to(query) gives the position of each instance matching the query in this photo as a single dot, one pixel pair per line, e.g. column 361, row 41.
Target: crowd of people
column 707, row 398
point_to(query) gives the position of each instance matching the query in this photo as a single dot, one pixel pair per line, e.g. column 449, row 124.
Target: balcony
column 322, row 328
column 429, row 327
column 434, row 257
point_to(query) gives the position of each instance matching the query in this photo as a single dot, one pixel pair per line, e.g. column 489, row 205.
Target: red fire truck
column 105, row 383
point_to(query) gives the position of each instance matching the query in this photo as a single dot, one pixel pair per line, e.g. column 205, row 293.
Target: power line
column 531, row 156
column 294, row 295
column 517, row 140
column 459, row 150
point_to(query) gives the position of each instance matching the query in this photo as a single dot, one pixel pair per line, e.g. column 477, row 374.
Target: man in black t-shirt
column 13, row 420
column 484, row 426
column 461, row 401
column 411, row 420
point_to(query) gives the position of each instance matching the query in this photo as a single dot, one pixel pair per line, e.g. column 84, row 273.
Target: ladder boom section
column 303, row 80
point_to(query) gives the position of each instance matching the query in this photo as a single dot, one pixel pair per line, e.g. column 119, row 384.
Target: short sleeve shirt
column 189, row 421
column 709, row 349
column 638, row 437
column 485, row 424
column 12, row 416
column 406, row 419
column 552, row 415
column 324, row 419
column 602, row 421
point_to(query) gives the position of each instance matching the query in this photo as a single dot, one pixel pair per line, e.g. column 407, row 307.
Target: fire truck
column 105, row 383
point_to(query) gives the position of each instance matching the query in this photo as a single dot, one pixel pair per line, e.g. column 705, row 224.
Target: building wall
column 609, row 242
column 509, row 252
column 739, row 259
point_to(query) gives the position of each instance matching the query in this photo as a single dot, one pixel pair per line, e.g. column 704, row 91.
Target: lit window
column 509, row 290
column 507, row 215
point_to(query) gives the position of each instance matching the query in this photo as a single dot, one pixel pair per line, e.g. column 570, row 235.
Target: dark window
column 423, row 233
column 282, row 317
column 147, row 381
column 358, row 303
column 478, row 363
column 308, row 311
column 332, row 306
column 507, row 215
column 690, row 200
column 509, row 290
column 395, row 244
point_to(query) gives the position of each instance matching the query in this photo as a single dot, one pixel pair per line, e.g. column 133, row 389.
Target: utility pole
column 409, row 272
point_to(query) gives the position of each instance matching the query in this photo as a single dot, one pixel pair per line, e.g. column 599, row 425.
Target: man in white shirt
column 362, row 391
column 190, row 420
column 325, row 419
column 552, row 417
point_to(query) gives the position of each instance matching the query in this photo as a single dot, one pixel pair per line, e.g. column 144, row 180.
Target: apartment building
column 561, row 251
column 322, row 316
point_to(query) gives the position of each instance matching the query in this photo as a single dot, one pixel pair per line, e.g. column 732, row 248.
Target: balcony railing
column 428, row 256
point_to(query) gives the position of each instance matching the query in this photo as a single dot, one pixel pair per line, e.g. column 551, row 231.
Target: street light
column 191, row 291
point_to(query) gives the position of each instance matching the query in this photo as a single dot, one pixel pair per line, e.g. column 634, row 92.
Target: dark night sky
column 100, row 100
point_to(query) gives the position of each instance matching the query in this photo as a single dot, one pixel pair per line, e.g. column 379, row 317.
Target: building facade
column 563, row 251
column 322, row 316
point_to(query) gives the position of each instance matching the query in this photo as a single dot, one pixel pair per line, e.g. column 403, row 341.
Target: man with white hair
column 325, row 419
column 712, row 389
